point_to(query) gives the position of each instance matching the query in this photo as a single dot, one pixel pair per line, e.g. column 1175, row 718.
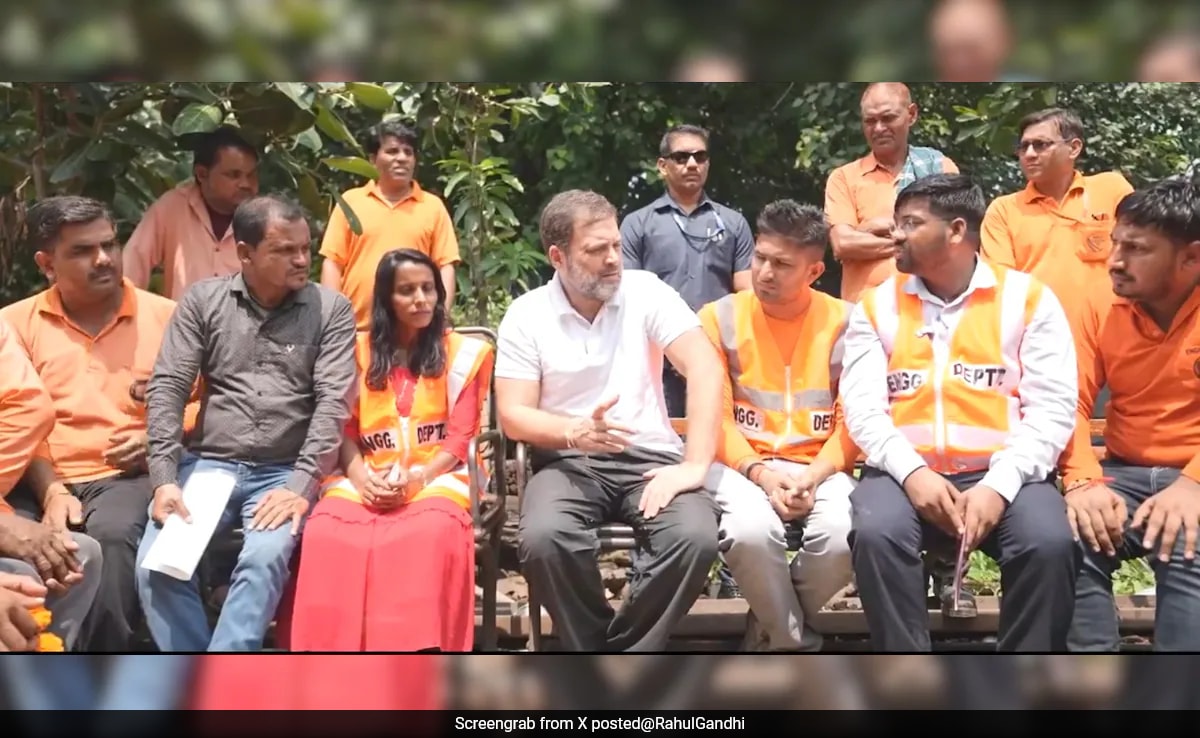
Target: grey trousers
column 1177, row 582
column 68, row 609
column 1033, row 544
column 567, row 497
column 114, row 514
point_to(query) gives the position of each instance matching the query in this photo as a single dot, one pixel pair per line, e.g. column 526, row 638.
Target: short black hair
column 950, row 196
column 1170, row 206
column 252, row 217
column 209, row 145
column 45, row 221
column 802, row 224
column 664, row 146
column 1066, row 121
column 376, row 134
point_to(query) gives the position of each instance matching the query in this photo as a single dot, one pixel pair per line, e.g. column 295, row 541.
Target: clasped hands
column 969, row 515
column 390, row 490
column 791, row 495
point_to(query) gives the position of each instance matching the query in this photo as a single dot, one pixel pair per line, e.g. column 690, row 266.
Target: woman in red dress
column 387, row 560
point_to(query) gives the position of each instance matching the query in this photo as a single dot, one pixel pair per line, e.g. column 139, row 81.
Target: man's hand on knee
column 278, row 506
column 61, row 508
column 1164, row 514
column 1097, row 515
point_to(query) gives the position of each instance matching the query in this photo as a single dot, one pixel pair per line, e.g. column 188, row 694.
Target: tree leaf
column 352, row 164
column 297, row 92
column 70, row 167
column 310, row 139
column 197, row 118
column 372, row 95
column 331, row 125
column 310, row 195
column 271, row 114
column 351, row 218
column 195, row 91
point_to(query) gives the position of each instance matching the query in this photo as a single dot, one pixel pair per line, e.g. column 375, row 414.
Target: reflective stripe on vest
column 954, row 397
column 776, row 421
column 386, row 439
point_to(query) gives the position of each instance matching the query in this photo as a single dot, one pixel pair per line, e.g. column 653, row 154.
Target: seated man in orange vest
column 782, row 348
column 959, row 385
column 1144, row 342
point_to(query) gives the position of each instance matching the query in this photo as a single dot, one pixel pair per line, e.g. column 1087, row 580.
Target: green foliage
column 983, row 576
column 498, row 152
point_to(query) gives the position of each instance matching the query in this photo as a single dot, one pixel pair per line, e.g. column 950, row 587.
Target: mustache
column 105, row 272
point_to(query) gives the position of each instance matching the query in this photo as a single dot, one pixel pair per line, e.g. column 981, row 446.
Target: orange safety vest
column 954, row 397
column 783, row 407
column 385, row 438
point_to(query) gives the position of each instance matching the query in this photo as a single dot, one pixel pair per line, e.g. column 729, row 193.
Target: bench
column 485, row 468
column 717, row 619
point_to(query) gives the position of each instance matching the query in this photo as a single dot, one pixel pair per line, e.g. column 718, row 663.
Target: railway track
column 719, row 625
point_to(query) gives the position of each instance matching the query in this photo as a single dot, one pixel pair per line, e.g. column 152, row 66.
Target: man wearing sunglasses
column 698, row 246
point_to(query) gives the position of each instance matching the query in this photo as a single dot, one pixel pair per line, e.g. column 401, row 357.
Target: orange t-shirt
column 90, row 379
column 26, row 413
column 855, row 193
column 1065, row 245
column 419, row 222
column 1154, row 380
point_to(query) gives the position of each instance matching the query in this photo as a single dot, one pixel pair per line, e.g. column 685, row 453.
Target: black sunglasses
column 681, row 157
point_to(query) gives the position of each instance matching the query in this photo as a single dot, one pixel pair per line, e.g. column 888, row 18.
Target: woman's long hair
column 428, row 355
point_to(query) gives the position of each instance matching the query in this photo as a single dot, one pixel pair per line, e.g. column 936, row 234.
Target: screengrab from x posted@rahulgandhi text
column 598, row 723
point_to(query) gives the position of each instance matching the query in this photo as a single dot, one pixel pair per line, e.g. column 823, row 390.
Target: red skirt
column 402, row 580
column 318, row 682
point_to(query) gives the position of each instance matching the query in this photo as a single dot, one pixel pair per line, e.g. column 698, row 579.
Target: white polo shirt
column 581, row 364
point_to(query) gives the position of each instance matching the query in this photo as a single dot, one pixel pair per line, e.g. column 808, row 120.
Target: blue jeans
column 174, row 611
column 65, row 683
column 1177, row 598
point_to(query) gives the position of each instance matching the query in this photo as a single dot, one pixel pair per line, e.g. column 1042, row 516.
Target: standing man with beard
column 395, row 214
column 959, row 386
column 1142, row 338
column 187, row 232
column 698, row 246
column 579, row 378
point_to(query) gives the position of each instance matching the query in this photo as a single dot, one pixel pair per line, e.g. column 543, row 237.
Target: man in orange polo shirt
column 186, row 231
column 1144, row 341
column 1057, row 228
column 37, row 564
column 395, row 213
column 859, row 196
column 93, row 338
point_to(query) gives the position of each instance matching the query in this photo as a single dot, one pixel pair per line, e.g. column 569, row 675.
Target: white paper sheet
column 179, row 545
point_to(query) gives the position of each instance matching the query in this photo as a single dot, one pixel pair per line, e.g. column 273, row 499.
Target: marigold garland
column 47, row 641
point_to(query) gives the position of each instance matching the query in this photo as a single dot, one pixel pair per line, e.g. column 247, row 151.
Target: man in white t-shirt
column 579, row 379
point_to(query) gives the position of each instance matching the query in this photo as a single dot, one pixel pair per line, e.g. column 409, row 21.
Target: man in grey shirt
column 696, row 245
column 275, row 356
